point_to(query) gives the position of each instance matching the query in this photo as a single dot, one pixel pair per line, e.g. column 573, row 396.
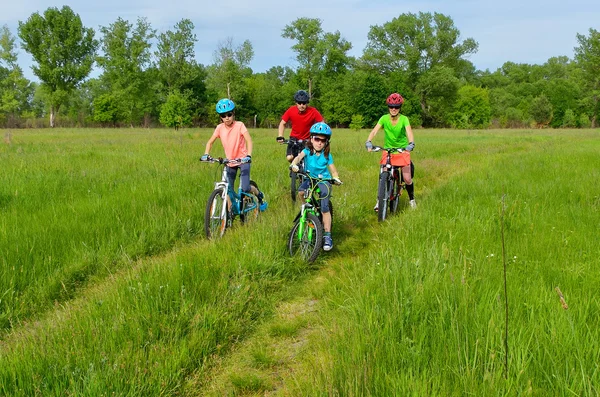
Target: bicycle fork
column 302, row 223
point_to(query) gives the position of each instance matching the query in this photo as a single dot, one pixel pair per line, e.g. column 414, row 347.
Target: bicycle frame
column 306, row 236
column 394, row 183
column 295, row 180
column 239, row 203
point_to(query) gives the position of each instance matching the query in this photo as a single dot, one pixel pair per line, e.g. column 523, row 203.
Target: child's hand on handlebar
column 337, row 181
column 369, row 145
column 204, row 157
column 294, row 168
column 280, row 139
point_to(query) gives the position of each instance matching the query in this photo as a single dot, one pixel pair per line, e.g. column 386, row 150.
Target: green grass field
column 108, row 285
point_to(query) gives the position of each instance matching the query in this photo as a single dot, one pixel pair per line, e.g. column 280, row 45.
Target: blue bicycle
column 224, row 204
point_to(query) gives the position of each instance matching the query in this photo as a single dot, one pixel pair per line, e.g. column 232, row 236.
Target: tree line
column 149, row 78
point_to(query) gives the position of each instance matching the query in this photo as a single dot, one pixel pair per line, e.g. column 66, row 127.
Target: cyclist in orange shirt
column 237, row 144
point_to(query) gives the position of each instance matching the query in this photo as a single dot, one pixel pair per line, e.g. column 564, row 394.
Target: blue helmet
column 320, row 129
column 225, row 105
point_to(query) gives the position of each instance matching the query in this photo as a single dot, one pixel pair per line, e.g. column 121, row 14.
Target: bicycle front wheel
column 215, row 216
column 383, row 195
column 306, row 238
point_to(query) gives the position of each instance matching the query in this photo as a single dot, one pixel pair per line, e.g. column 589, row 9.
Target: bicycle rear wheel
column 295, row 182
column 216, row 214
column 382, row 196
column 306, row 238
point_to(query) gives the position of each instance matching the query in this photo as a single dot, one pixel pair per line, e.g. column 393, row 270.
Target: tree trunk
column 52, row 116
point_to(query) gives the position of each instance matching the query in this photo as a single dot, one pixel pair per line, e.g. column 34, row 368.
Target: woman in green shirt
column 398, row 134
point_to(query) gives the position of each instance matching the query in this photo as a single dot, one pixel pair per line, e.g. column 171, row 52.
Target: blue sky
column 519, row 31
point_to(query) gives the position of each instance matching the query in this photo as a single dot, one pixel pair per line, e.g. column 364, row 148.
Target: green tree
column 416, row 45
column 369, row 96
column 175, row 55
column 541, row 110
column 127, row 75
column 271, row 93
column 176, row 112
column 320, row 55
column 587, row 55
column 15, row 89
column 309, row 47
column 228, row 75
column 63, row 50
column 472, row 108
column 437, row 90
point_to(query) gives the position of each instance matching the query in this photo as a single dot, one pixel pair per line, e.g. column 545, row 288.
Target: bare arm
column 298, row 158
column 374, row 132
column 209, row 144
column 248, row 139
column 409, row 134
column 333, row 170
column 281, row 128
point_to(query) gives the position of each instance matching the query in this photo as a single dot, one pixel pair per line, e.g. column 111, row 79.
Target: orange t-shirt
column 232, row 139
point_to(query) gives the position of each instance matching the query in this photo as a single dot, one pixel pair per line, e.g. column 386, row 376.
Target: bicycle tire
column 294, row 185
column 306, row 243
column 395, row 195
column 214, row 222
column 382, row 196
column 252, row 214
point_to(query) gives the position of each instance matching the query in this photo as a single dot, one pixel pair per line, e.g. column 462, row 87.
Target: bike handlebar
column 393, row 149
column 221, row 160
column 286, row 141
column 308, row 175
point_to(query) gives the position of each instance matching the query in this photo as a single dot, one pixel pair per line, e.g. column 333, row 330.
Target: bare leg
column 327, row 221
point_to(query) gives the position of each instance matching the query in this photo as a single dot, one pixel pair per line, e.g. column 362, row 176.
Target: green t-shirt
column 395, row 135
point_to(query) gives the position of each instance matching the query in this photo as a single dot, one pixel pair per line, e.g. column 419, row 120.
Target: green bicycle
column 306, row 236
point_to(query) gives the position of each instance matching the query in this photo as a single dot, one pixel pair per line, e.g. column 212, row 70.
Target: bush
column 569, row 119
column 584, row 121
column 358, row 122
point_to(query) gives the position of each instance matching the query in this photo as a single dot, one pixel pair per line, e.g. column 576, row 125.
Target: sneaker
column 327, row 243
column 376, row 208
column 263, row 206
column 412, row 203
column 260, row 197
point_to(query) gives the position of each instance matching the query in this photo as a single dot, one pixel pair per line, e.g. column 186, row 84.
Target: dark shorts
column 295, row 146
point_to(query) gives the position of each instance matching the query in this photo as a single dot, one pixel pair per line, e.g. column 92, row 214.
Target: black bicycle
column 295, row 179
column 391, row 183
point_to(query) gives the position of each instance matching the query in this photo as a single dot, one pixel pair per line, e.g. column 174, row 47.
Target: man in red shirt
column 302, row 118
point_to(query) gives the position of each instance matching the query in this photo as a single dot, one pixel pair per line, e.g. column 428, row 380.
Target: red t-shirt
column 301, row 122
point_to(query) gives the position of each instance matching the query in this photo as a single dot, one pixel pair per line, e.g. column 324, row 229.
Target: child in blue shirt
column 319, row 162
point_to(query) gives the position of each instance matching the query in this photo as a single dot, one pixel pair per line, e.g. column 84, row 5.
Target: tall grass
column 422, row 314
column 108, row 286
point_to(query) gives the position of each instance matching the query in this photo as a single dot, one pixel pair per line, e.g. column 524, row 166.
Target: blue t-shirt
column 316, row 164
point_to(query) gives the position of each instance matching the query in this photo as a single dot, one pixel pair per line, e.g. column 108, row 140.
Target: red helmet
column 395, row 100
